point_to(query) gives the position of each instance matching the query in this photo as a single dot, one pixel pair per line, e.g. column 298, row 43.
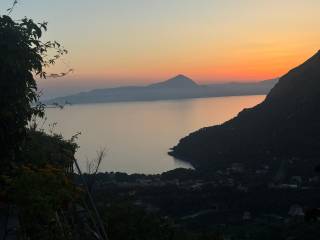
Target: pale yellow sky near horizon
column 120, row 42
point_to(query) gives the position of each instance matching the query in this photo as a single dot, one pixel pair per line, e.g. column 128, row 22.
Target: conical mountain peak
column 179, row 81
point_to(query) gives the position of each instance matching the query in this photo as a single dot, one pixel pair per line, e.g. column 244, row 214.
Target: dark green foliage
column 34, row 166
column 40, row 188
column 128, row 222
column 40, row 193
column 23, row 55
column 181, row 174
column 42, row 149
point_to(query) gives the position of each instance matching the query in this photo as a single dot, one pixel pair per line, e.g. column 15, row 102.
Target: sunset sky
column 120, row 42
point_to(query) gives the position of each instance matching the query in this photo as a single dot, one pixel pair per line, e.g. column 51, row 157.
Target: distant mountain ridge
column 178, row 87
column 286, row 126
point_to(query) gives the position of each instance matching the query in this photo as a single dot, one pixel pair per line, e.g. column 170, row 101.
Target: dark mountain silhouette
column 179, row 81
column 179, row 87
column 285, row 126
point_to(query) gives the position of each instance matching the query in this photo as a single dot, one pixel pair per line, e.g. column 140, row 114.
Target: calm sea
column 138, row 135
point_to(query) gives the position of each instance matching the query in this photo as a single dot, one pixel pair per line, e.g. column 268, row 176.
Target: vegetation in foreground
column 38, row 199
column 41, row 197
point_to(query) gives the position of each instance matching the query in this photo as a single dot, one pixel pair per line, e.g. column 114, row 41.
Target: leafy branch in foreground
column 23, row 57
column 35, row 168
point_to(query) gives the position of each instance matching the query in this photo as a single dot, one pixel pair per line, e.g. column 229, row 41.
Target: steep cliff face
column 285, row 125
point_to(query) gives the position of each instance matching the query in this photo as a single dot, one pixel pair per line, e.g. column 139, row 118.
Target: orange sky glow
column 115, row 43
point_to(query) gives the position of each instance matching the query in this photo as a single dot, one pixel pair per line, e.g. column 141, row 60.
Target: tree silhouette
column 23, row 56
